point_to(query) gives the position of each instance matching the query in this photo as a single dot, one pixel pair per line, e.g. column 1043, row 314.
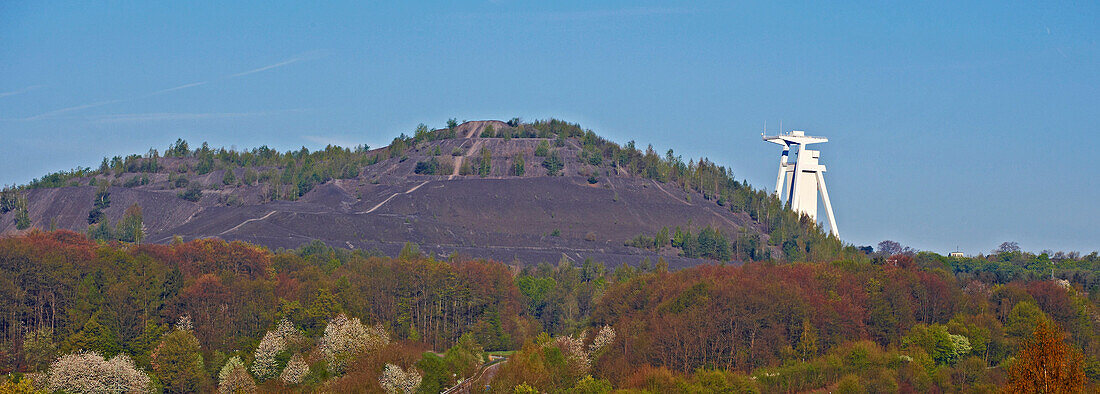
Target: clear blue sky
column 950, row 124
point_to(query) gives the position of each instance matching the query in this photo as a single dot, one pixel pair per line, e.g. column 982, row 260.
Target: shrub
column 22, row 386
column 428, row 167
column 193, row 193
column 249, row 177
column 137, row 180
column 229, row 178
column 489, row 132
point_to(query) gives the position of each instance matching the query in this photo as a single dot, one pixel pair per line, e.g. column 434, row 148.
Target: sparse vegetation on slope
column 559, row 147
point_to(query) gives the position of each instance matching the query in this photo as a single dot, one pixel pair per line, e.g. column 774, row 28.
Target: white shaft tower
column 799, row 183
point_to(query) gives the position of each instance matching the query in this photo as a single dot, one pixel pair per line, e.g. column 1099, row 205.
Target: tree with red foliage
column 1045, row 364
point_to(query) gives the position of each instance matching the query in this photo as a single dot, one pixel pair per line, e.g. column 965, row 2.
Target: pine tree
column 94, row 336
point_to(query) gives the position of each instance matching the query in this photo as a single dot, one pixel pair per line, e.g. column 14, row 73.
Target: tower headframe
column 799, row 183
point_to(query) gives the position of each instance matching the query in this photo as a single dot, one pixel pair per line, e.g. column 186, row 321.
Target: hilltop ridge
column 509, row 191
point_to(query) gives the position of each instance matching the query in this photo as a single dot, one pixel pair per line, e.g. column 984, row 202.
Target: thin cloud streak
column 166, row 116
column 265, row 68
column 20, row 91
column 173, row 116
column 190, row 85
column 297, row 58
column 71, row 109
column 304, row 56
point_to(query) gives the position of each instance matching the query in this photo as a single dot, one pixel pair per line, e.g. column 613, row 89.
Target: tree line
column 236, row 315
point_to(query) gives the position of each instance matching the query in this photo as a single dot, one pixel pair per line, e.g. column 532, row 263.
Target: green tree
column 39, row 348
column 590, row 385
column 807, row 343
column 488, row 132
column 101, row 232
column 485, row 162
column 94, row 336
column 437, row 377
column 22, row 219
column 944, row 347
column 249, row 177
column 130, row 227
column 553, row 164
column 518, row 165
column 323, row 308
column 142, row 347
column 1022, row 320
column 421, row 132
column 178, row 363
column 179, row 149
column 542, row 149
column 229, row 178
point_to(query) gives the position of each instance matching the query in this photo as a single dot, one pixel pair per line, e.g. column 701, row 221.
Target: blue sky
column 950, row 124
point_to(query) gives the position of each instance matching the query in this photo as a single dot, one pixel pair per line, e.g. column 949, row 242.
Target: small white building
column 955, row 254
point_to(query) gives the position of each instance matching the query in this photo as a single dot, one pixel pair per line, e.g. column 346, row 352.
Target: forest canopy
column 232, row 314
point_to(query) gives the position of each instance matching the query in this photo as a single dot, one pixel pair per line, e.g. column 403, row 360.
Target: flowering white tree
column 295, row 370
column 234, row 378
column 395, row 380
column 274, row 342
column 184, row 323
column 346, row 338
column 573, row 347
column 602, row 339
column 90, row 373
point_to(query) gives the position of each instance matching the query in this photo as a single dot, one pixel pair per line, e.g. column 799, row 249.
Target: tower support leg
column 828, row 205
column 779, row 180
column 796, row 180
